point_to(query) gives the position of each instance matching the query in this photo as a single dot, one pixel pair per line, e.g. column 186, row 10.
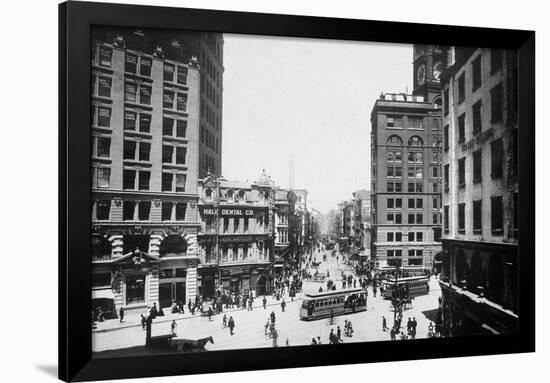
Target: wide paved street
column 249, row 330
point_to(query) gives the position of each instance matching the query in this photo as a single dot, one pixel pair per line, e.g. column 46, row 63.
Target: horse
column 189, row 345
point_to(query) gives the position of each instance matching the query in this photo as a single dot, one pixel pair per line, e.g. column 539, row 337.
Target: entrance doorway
column 171, row 287
column 262, row 285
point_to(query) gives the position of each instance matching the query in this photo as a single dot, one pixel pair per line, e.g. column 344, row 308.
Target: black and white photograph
column 255, row 191
column 274, row 191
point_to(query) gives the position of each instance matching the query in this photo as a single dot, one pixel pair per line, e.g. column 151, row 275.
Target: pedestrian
column 384, row 324
column 224, row 321
column 266, row 326
column 313, row 342
column 121, row 314
column 189, row 305
column 143, row 321
column 318, row 340
column 392, row 333
column 287, row 343
column 173, row 327
column 231, row 324
column 283, row 305
column 338, row 335
column 264, row 302
column 272, row 316
column 250, row 302
column 331, row 336
column 403, row 336
column 210, row 312
column 409, row 325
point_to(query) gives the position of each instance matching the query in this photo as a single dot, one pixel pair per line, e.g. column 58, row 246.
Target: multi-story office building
column 236, row 241
column 208, row 47
column 480, row 197
column 145, row 132
column 406, row 168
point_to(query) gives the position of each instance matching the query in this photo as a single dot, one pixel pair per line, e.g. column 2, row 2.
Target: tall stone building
column 145, row 134
column 480, row 197
column 406, row 168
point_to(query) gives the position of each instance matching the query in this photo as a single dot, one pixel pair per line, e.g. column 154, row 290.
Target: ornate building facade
column 145, row 128
column 237, row 236
column 406, row 168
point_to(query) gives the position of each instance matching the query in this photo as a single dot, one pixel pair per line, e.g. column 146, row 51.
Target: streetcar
column 416, row 285
column 333, row 303
column 405, row 271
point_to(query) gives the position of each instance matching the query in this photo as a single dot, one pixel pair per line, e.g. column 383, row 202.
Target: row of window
column 411, row 236
column 139, row 122
column 412, row 187
column 413, row 171
column 497, row 216
column 210, row 92
column 396, row 122
column 396, row 218
column 140, row 93
column 413, row 203
column 497, row 165
column 210, row 115
column 209, row 65
column 496, row 66
column 235, row 225
column 141, row 210
column 138, row 180
column 174, row 127
column 395, row 140
column 175, row 73
column 396, row 156
column 209, row 139
column 399, row 253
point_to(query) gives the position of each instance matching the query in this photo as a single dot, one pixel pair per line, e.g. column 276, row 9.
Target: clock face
column 421, row 74
column 437, row 70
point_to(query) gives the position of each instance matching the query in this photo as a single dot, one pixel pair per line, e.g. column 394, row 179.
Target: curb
column 175, row 317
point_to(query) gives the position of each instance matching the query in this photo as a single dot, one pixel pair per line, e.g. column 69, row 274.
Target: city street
column 249, row 329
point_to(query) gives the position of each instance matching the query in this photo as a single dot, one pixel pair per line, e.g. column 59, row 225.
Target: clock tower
column 428, row 64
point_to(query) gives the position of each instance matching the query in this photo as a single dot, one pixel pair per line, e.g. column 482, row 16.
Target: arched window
column 229, row 194
column 394, row 140
column 242, row 195
column 415, row 141
column 173, row 246
column 208, row 194
column 437, row 103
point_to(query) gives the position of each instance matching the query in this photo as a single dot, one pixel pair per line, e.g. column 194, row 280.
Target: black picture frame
column 75, row 21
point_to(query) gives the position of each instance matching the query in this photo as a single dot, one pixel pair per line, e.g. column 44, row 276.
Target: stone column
column 191, row 284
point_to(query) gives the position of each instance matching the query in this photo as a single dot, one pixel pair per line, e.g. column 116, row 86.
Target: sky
column 308, row 99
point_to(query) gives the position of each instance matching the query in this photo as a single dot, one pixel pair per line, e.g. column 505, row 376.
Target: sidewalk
column 135, row 320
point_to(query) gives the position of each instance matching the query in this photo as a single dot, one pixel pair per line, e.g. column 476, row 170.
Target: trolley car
column 416, row 286
column 339, row 302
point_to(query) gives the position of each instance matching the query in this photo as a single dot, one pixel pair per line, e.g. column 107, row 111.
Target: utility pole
column 217, row 218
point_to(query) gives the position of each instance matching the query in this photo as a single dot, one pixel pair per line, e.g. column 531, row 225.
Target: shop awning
column 103, row 294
